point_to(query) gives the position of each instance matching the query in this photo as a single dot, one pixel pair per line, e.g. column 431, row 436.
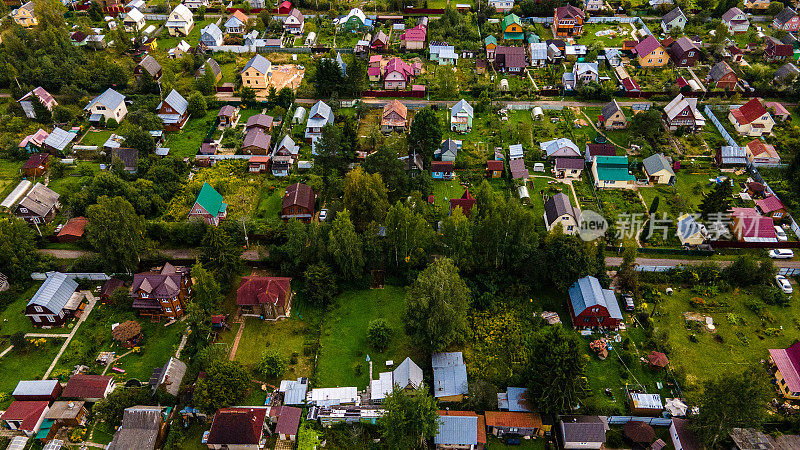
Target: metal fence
column 654, row 421
column 646, row 268
column 721, row 128
column 612, row 19
column 39, row 276
column 788, row 271
column 158, row 17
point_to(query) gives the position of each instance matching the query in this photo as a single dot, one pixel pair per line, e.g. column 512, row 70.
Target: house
column 180, row 21
column 37, row 390
column 267, row 297
column 658, row 169
column 775, row 50
column 380, row 41
column 319, row 116
column 611, row 172
column 524, row 424
column 287, row 147
column 593, row 150
column 211, row 36
column 126, row 158
column 673, row 20
column 650, row 53
column 786, row 73
column 683, row 52
column 582, row 432
column 538, row 54
column 173, row 111
column 682, row 112
column 443, row 54
column 294, row 392
column 559, row 210
column 442, row 170
column 760, row 154
column 108, row 105
column 728, row 156
column 736, row 21
column 514, row 399
column 582, row 73
column 298, row 203
column 592, row 306
column 161, row 291
column 24, row 16
column 89, row 388
column 355, row 20
column 285, row 7
column 518, row 169
column 54, row 302
column 568, row 167
column 568, row 21
column 36, row 165
column 258, row 164
column 611, row 117
column 512, row 27
column 179, row 50
column 169, row 376
column 560, row 148
column 465, row 202
column 460, row 430
column 771, row 206
column 778, row 110
column 407, row 376
column 394, row 117
column 261, row 122
column 501, row 6
column 397, row 74
column 26, row 102
column 787, row 20
column 39, row 205
column 682, row 437
column 238, row 427
column 510, row 59
column 448, row 151
column 494, row 168
column 490, row 44
column 785, row 368
column 294, row 22
column 257, row 72
column 236, row 23
column 594, row 5
column 133, row 21
column 63, row 414
column 281, row 165
column 749, row 226
column 143, row 427
column 722, row 76
column 613, row 57
column 414, row 38
column 334, row 396
column 751, row 119
column 645, row 404
column 288, row 422
column 256, row 142
column 209, row 206
column 228, row 115
column 25, row 416
column 461, row 115
column 57, row 141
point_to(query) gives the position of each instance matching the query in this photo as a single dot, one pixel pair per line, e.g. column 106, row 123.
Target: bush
column 272, row 365
column 379, row 334
column 772, row 295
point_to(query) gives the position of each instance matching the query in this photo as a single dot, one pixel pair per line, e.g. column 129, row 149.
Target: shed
column 299, row 115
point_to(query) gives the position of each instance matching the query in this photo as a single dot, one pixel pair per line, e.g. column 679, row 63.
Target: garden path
column 86, row 312
column 10, row 347
column 235, row 345
column 565, row 181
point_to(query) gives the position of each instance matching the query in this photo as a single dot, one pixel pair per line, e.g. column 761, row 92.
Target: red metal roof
column 442, row 166
column 262, row 290
column 494, row 165
column 466, row 202
column 299, row 194
column 87, row 386
column 28, row 413
column 233, row 426
column 769, row 204
column 288, row 420
column 788, row 363
column 749, row 112
column 646, row 46
column 36, row 160
column 73, row 227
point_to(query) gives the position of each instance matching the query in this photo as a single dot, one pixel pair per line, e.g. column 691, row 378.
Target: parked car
column 323, row 214
column 629, row 305
column 784, row 284
column 781, row 253
column 781, row 234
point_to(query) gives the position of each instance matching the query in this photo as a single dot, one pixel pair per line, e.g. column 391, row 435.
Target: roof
column 494, row 165
column 646, row 46
column 568, row 11
column 256, row 138
column 87, row 386
column 770, row 204
column 54, row 293
column 299, row 194
column 777, row 108
column 786, row 15
column 457, row 430
column 512, row 419
column 646, row 401
column 448, row 147
column 47, row 100
column 397, row 107
column 294, row 391
column 150, row 65
column 510, row 19
column 28, row 413
column 407, row 373
column 639, row 432
column 517, row 168
column 672, row 15
column 40, row 200
column 59, row 139
column 128, row 156
column 170, row 375
column 263, row 290
column 656, row 163
column 36, row 160
column 762, row 149
column 226, row 111
column 211, row 200
column 679, row 103
column 786, row 70
column 213, row 31
column 510, row 56
column 587, row 292
column 64, row 409
column 320, row 115
column 569, row 163
column 682, row 45
column 749, row 112
column 181, row 12
column 517, row 399
column 558, row 205
column 258, row 62
column 111, row 99
column 688, row 439
column 600, row 150
column 610, row 108
column 139, row 429
column 441, row 166
column 259, row 120
column 582, row 429
column 237, row 426
column 110, row 286
column 159, row 284
column 176, row 101
column 538, row 51
column 288, row 420
column 719, row 70
column 236, row 19
column 731, row 13
column 35, row 388
column 297, row 15
column 333, row 396
column 74, row 227
column 398, row 65
column 560, row 147
column 449, row 374
column 688, row 226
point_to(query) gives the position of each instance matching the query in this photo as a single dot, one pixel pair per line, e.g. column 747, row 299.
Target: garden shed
column 127, row 333
column 299, row 115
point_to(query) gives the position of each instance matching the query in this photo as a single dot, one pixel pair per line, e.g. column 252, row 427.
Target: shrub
column 772, row 295
column 272, row 365
column 379, row 334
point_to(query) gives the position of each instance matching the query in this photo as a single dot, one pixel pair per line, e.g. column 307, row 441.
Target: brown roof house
column 267, row 297
column 73, row 230
column 39, row 205
column 722, row 76
column 582, row 432
column 65, row 414
column 395, row 117
column 682, row 112
column 89, row 388
column 256, row 142
column 169, row 376
column 228, row 115
column 525, row 424
column 148, row 65
column 162, row 291
column 298, row 203
column 683, row 52
column 260, row 121
column 510, row 59
column 239, row 427
column 36, row 165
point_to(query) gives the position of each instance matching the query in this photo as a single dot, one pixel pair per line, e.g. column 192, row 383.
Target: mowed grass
column 286, row 337
column 269, row 205
column 9, row 176
column 159, row 344
column 538, row 188
column 444, row 190
column 13, row 319
column 186, row 143
column 97, row 138
column 30, row 364
column 344, row 346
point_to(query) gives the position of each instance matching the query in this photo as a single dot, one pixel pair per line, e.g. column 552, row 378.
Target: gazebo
column 127, row 333
column 657, row 360
column 639, row 432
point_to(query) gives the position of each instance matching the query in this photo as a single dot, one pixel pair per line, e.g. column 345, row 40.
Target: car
column 781, row 234
column 629, row 305
column 323, row 214
column 781, row 253
column 784, row 284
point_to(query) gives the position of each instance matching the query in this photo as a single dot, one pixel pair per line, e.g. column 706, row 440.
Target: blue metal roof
column 259, row 63
column 449, row 374
column 457, row 430
column 587, row 292
column 111, row 99
column 55, row 292
column 515, row 399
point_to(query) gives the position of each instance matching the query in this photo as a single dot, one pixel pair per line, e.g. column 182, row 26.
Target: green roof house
column 490, row 44
column 512, row 27
column 209, row 206
column 611, row 172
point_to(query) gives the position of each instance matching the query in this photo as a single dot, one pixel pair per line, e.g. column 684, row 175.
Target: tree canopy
column 556, row 370
column 410, row 419
column 116, row 232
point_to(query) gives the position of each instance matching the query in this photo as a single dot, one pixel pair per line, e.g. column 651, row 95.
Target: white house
column 502, row 6
column 133, row 21
column 320, row 115
column 180, row 21
column 110, row 105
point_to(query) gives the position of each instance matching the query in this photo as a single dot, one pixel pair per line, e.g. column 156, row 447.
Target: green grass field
column 285, row 336
column 30, row 364
column 13, row 319
column 269, row 205
column 535, row 188
column 186, row 143
column 444, row 190
column 97, row 138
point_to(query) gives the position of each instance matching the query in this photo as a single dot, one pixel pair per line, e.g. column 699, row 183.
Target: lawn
column 28, row 365
column 186, row 143
column 494, row 443
column 539, row 187
column 444, row 190
column 344, row 347
column 286, row 337
column 621, row 33
column 270, row 203
column 75, row 178
column 13, row 319
column 9, row 176
column 97, row 138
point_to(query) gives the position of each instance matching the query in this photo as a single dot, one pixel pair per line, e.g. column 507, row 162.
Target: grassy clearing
column 186, row 143
column 13, row 319
column 285, row 336
column 269, row 205
column 539, row 187
column 97, row 138
column 74, row 179
column 621, row 33
column 9, row 176
column 443, row 191
column 28, row 365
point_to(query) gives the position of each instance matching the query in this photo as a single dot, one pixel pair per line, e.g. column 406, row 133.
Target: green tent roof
column 509, row 19
column 490, row 40
column 613, row 168
column 211, row 200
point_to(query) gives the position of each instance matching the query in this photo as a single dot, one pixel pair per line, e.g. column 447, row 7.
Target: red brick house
column 268, row 297
column 161, row 292
column 298, row 203
column 591, row 306
column 722, row 76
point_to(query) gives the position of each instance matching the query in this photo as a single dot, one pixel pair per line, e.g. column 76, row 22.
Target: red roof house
column 285, row 7
column 288, row 423
column 72, row 230
column 237, row 427
column 786, row 369
column 494, row 168
column 466, row 202
column 749, row 226
column 89, row 388
column 25, row 416
column 269, row 297
column 36, row 165
column 771, row 207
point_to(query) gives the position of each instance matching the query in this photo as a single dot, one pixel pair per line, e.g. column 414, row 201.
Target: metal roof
column 55, row 292
column 462, row 105
column 587, row 292
column 259, row 63
column 457, row 430
column 294, row 392
column 176, row 101
column 35, row 387
column 656, row 163
column 59, row 139
column 408, row 372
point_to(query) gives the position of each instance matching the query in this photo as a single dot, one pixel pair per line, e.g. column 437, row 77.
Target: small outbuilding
column 127, row 333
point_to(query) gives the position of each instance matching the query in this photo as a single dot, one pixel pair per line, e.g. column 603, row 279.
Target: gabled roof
column 466, row 202
column 749, row 112
column 785, row 71
column 490, row 40
column 731, row 13
column 538, row 51
column 449, row 147
column 569, row 11
column 719, row 70
column 36, row 160
column 582, row 67
column 297, row 15
column 688, row 226
column 517, row 399
column 161, row 284
column 560, row 147
column 288, row 143
column 211, row 200
column 769, row 204
column 176, row 101
column 87, row 386
column 679, row 103
column 655, row 163
column 40, row 200
column 170, row 375
column 263, row 290
column 47, row 100
column 407, row 373
column 510, row 19
column 54, row 293
column 181, row 12
column 299, row 194
column 510, row 56
column 582, row 429
column 558, row 205
column 226, row 111
column 672, row 15
column 111, row 99
column 288, row 421
column 150, row 65
column 682, row 45
column 786, row 15
column 234, row 426
column 134, row 15
column 646, row 46
column 788, row 363
column 587, row 292
column 320, row 115
column 259, row 120
column 610, row 108
column 258, row 62
column 395, row 106
column 59, row 139
column 26, row 412
column 294, row 392
column 27, row 388
column 759, row 148
column 139, row 429
column 213, row 31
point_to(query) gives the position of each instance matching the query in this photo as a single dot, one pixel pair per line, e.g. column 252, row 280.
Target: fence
column 770, row 245
column 721, row 128
column 398, row 94
column 654, row 421
column 422, row 11
column 646, row 268
column 159, row 17
column 39, row 276
column 611, row 19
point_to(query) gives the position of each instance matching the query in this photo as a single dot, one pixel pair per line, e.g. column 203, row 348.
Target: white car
column 323, row 214
column 784, row 284
column 780, row 233
column 781, row 253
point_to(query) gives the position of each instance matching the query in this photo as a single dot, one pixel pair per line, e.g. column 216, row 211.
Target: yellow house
column 784, row 365
column 257, row 73
column 650, row 53
column 658, row 169
column 752, row 119
column 24, row 16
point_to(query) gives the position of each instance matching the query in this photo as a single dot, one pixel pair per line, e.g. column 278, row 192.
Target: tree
column 446, row 83
column 111, row 408
column 775, row 8
column 120, row 298
column 647, row 126
column 627, row 274
column 197, row 104
column 265, row 17
column 116, row 232
column 366, row 198
column 436, row 306
column 206, row 291
column 717, row 201
column 599, row 271
column 42, row 114
column 408, row 236
column 62, row 115
column 139, row 139
column 18, row 255
column 379, row 334
column 285, row 98
column 272, row 365
column 569, row 254
column 248, row 95
column 328, row 78
column 320, row 284
column 345, row 247
column 425, row 135
column 391, row 169
column 226, row 383
column 456, row 238
column 555, row 369
column 221, row 254
column 720, row 411
column 328, row 157
column 410, row 419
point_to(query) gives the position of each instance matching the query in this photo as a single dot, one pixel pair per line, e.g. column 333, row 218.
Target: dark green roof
column 211, row 200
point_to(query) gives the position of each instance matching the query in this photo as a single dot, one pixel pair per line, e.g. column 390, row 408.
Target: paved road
column 46, row 335
column 616, row 261
column 181, row 253
column 86, row 312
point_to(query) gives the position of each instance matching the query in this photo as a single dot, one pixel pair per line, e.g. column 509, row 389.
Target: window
column 37, row 308
column 36, row 319
column 177, row 308
column 168, row 310
column 50, row 319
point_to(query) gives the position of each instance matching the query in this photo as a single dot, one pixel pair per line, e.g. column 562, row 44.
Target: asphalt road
column 617, row 260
